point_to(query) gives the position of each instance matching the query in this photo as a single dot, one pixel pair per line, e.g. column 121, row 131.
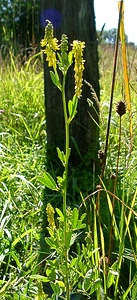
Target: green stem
column 67, row 145
column 112, row 90
column 119, row 148
column 113, row 199
column 121, row 249
column 96, row 246
column 65, row 186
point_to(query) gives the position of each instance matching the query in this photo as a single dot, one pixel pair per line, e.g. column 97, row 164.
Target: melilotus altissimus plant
column 79, row 273
column 59, row 58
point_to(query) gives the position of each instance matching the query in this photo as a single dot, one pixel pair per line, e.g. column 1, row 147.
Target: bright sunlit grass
column 22, row 157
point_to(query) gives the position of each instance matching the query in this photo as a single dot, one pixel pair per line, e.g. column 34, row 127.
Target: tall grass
column 22, row 156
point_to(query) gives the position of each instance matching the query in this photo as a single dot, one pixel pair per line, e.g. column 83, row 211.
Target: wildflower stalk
column 65, row 186
column 77, row 49
column 63, row 61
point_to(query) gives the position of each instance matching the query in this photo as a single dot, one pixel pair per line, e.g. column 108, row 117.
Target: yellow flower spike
column 50, row 216
column 77, row 49
column 51, row 45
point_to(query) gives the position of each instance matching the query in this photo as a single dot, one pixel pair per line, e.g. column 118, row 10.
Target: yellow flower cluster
column 77, row 49
column 51, row 45
column 50, row 216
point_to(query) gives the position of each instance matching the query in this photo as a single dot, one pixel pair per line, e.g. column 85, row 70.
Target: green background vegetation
column 22, row 155
column 23, row 158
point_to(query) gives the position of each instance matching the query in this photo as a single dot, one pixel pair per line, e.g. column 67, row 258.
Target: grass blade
column 125, row 70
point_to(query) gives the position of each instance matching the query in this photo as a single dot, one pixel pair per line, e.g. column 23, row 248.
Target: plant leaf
column 75, row 218
column 95, row 285
column 39, row 278
column 72, row 107
column 73, row 238
column 88, row 279
column 59, row 212
column 19, row 238
column 55, row 79
column 111, row 277
column 61, row 156
column 51, row 242
column 48, row 181
column 75, row 104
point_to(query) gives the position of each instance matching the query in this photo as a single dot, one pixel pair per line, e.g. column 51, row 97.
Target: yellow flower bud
column 77, row 49
column 51, row 46
column 50, row 216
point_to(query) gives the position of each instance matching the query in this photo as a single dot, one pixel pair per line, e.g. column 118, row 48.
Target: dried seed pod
column 121, row 108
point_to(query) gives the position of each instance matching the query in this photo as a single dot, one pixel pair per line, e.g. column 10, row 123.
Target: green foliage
column 48, row 181
column 19, row 25
column 22, row 156
column 81, row 270
column 101, row 239
column 109, row 36
column 95, row 268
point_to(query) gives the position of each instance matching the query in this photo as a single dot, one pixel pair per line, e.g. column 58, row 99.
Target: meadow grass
column 22, row 155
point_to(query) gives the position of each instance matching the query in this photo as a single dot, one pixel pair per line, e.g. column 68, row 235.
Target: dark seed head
column 121, row 108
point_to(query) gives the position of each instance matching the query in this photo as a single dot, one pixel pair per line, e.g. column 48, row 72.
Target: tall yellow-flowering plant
column 60, row 59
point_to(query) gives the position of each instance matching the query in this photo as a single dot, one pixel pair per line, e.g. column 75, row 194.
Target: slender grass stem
column 104, row 259
column 121, row 249
column 96, row 246
column 112, row 89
